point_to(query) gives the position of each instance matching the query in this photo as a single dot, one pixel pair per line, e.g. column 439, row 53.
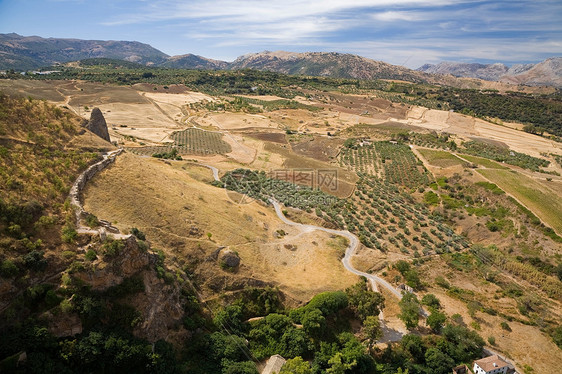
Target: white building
column 490, row 365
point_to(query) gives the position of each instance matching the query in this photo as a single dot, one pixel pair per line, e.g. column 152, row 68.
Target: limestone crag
column 97, row 124
column 129, row 261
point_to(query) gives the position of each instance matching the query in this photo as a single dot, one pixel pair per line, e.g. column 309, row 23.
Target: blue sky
column 401, row 32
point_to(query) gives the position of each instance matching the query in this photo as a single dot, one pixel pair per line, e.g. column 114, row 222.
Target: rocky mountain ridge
column 545, row 73
column 31, row 52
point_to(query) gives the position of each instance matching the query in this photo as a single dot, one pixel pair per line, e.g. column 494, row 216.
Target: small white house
column 490, row 365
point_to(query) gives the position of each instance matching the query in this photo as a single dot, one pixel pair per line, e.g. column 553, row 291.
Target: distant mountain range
column 545, row 73
column 31, row 52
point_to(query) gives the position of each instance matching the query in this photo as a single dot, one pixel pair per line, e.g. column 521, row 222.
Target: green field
column 545, row 203
column 489, row 164
column 441, row 158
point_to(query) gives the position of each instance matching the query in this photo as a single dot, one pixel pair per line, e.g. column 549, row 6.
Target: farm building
column 490, row 365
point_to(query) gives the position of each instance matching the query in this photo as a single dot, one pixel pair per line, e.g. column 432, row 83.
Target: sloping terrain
column 324, row 64
column 226, row 276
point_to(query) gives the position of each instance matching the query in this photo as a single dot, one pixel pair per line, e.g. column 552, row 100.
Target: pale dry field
column 235, row 121
column 467, row 127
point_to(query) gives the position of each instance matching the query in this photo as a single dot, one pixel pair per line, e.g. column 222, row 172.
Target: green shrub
column 138, row 234
column 440, row 281
column 431, row 198
column 92, row 221
column 8, row 269
column 68, row 233
column 91, row 255
column 34, row 260
column 66, row 306
column 505, row 326
column 113, row 248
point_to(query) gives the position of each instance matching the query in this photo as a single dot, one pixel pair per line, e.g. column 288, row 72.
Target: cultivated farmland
column 190, row 141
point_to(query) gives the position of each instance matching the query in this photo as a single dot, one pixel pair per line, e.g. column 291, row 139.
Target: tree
column 337, row 366
column 313, row 322
column 372, row 329
column 431, row 301
column 436, row 320
column 230, row 318
column 414, row 345
column 296, row 366
column 244, row 367
column 409, row 307
column 438, row 362
column 402, row 266
column 364, row 302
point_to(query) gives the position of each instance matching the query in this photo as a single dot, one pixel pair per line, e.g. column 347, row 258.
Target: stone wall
column 80, row 183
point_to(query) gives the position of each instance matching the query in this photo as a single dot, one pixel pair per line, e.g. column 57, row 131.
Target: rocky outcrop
column 229, row 259
column 159, row 304
column 161, row 309
column 63, row 324
column 97, row 124
column 129, row 261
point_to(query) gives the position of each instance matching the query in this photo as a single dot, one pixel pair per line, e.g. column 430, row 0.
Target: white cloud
column 392, row 16
column 410, row 32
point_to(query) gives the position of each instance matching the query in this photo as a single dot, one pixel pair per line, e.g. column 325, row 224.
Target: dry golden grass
column 166, row 201
column 525, row 345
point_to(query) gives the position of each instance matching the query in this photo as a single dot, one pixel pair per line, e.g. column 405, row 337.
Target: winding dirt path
column 349, row 253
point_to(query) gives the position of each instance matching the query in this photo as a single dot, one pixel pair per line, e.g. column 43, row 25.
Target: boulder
column 230, row 259
column 97, row 124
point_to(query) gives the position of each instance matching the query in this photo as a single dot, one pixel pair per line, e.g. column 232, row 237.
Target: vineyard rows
column 380, row 213
column 395, row 163
column 190, row 141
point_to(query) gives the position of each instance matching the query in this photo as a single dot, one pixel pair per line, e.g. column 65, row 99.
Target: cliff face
column 97, row 124
column 159, row 304
column 104, row 274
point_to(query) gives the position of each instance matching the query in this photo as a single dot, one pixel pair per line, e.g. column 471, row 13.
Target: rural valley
column 347, row 225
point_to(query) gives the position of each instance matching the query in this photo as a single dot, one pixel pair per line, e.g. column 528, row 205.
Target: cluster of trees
column 319, row 332
column 171, row 155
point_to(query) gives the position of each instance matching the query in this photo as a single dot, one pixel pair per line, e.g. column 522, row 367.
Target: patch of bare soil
column 319, row 148
column 275, row 137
